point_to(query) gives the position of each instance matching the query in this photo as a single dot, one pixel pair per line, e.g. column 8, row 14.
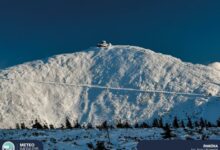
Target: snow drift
column 48, row 90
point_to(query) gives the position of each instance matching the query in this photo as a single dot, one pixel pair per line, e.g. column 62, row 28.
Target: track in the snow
column 117, row 88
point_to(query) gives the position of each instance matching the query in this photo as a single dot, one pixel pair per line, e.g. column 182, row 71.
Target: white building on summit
column 104, row 44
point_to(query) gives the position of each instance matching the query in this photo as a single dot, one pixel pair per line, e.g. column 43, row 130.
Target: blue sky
column 30, row 30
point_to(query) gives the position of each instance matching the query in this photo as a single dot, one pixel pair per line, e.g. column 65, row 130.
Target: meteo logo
column 210, row 145
column 8, row 146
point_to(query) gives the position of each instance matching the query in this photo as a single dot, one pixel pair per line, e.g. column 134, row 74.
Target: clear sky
column 34, row 29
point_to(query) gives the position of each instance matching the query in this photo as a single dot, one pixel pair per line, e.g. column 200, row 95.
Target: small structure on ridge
column 104, row 44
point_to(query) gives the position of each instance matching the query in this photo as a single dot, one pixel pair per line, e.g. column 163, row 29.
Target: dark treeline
column 156, row 123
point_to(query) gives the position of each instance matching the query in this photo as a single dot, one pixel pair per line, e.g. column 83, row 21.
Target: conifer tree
column 197, row 124
column 218, row 122
column 119, row 124
column 155, row 123
column 202, row 123
column 136, row 125
column 51, row 126
column 89, row 126
column 208, row 124
column 17, row 126
column 104, row 125
column 45, row 126
column 167, row 132
column 175, row 122
column 182, row 124
column 144, row 125
column 77, row 125
column 160, row 123
column 126, row 125
column 68, row 124
column 37, row 125
column 23, row 126
column 189, row 123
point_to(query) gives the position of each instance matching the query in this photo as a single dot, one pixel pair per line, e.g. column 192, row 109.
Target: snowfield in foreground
column 82, row 139
column 115, row 83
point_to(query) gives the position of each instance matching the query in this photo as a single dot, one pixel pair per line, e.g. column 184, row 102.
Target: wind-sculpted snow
column 121, row 82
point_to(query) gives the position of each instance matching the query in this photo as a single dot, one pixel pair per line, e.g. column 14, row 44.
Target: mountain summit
column 118, row 82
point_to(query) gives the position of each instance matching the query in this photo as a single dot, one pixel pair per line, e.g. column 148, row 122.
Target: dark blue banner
column 179, row 145
column 20, row 145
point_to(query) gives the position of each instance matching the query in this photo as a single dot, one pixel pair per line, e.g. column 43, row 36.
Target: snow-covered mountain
column 119, row 82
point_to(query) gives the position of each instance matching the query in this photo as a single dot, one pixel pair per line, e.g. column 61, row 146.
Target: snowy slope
column 46, row 89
